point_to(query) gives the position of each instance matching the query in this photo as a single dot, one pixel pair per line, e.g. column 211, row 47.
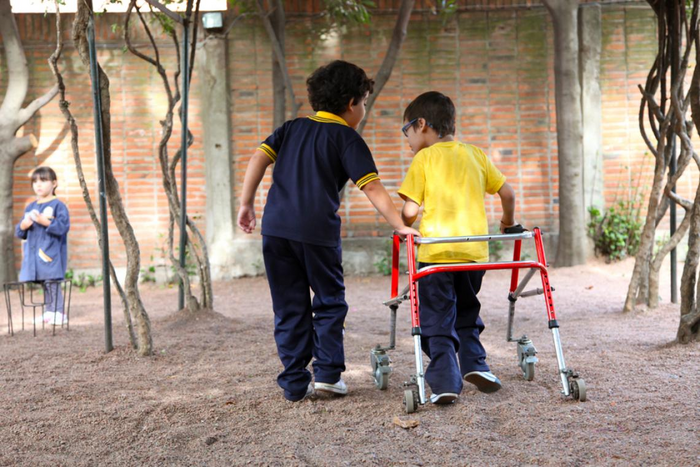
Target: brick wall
column 496, row 65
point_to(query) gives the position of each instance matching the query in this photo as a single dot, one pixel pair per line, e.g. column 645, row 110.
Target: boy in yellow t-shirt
column 450, row 179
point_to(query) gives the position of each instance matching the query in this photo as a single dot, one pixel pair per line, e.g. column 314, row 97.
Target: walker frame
column 414, row 394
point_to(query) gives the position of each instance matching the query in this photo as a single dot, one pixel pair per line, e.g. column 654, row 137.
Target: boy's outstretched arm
column 381, row 200
column 253, row 175
column 507, row 195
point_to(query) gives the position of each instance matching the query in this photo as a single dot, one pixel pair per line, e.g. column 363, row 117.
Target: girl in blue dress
column 45, row 230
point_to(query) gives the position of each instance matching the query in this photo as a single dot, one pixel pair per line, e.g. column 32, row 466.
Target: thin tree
column 572, row 246
column 64, row 106
column 662, row 118
column 398, row 37
column 116, row 206
column 13, row 117
column 196, row 244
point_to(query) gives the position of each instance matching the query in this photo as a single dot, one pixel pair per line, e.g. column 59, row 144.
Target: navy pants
column 450, row 325
column 53, row 297
column 306, row 328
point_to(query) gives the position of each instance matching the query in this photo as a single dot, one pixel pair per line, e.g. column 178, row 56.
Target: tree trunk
column 688, row 326
column 277, row 20
column 196, row 245
column 121, row 220
column 392, row 54
column 64, row 107
column 643, row 259
column 572, row 226
column 278, row 53
column 12, row 118
column 8, row 272
column 653, row 291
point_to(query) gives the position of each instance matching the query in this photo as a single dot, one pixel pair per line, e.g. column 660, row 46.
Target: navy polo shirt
column 314, row 158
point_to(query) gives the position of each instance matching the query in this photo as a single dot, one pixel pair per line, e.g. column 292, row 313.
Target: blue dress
column 46, row 248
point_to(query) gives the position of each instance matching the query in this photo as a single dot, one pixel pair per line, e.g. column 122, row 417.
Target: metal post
column 675, row 67
column 674, row 268
column 99, row 153
column 183, row 160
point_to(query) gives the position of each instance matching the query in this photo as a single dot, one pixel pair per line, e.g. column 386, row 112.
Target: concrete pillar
column 589, row 61
column 216, row 124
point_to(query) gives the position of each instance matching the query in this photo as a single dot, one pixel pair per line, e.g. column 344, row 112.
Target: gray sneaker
column 485, row 381
column 444, row 398
column 310, row 394
column 338, row 388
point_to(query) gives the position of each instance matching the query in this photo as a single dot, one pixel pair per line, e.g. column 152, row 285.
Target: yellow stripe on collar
column 43, row 201
column 322, row 115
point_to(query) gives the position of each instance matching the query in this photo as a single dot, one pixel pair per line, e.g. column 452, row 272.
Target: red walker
column 415, row 393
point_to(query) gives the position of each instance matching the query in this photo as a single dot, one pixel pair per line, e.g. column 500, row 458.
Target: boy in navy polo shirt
column 314, row 158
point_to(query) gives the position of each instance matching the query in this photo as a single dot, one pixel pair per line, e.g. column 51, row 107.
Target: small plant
column 83, row 281
column 383, row 264
column 616, row 234
column 495, row 248
column 148, row 274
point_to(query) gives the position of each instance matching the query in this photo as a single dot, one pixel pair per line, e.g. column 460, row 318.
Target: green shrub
column 383, row 265
column 83, row 281
column 616, row 233
column 495, row 247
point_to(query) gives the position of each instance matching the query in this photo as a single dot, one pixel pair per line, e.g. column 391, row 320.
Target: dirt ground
column 209, row 395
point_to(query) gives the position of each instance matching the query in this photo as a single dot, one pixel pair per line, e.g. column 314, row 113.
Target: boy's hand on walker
column 505, row 226
column 246, row 218
column 403, row 231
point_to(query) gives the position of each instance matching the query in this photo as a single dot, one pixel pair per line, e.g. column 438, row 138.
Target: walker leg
column 420, row 375
column 513, row 297
column 563, row 372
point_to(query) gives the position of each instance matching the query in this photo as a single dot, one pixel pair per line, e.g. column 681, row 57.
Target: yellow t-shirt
column 450, row 179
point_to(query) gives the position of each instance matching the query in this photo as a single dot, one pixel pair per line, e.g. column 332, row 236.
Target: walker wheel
column 410, row 400
column 578, row 389
column 381, row 378
column 529, row 371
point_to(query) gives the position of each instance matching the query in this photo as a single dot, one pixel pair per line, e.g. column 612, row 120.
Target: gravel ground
column 209, row 395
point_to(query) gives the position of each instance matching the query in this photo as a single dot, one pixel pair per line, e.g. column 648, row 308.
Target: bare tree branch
column 392, row 54
column 279, row 53
column 28, row 112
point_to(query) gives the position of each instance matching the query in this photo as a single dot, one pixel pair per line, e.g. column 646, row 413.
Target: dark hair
column 436, row 108
column 45, row 174
column 332, row 86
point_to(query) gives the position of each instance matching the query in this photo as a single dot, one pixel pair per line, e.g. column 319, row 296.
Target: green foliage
column 616, row 233
column 660, row 241
column 148, row 274
column 495, row 248
column 83, row 281
column 383, row 265
column 340, row 12
column 337, row 15
column 446, row 9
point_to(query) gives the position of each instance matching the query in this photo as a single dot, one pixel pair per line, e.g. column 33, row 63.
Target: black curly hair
column 332, row 86
column 437, row 109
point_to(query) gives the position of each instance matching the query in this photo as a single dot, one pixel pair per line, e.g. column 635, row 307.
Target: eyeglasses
column 405, row 128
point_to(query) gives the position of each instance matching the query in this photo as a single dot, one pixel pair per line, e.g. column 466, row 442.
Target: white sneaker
column 444, row 398
column 58, row 319
column 485, row 381
column 49, row 316
column 338, row 388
